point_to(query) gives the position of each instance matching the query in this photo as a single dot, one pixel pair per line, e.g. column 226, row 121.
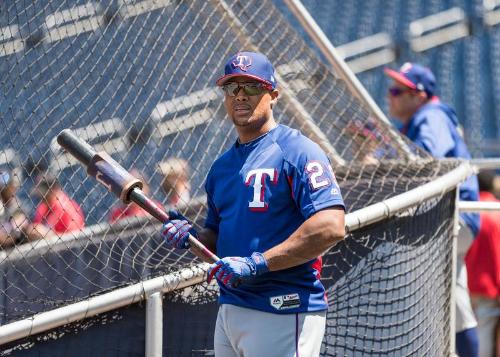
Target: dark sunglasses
column 232, row 89
column 395, row 91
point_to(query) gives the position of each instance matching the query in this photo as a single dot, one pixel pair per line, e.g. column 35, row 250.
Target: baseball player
column 274, row 207
column 433, row 126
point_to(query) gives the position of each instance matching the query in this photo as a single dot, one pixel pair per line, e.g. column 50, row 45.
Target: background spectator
column 57, row 213
column 176, row 181
column 496, row 186
column 371, row 144
column 433, row 126
column 483, row 267
column 13, row 219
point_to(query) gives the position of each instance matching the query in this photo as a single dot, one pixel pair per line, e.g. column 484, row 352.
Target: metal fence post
column 456, row 227
column 154, row 325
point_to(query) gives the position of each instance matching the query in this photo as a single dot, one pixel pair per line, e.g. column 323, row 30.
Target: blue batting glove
column 231, row 271
column 176, row 233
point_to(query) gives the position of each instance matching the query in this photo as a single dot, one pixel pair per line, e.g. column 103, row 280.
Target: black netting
column 388, row 288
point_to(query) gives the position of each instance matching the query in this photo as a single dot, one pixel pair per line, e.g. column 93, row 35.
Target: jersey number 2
column 316, row 178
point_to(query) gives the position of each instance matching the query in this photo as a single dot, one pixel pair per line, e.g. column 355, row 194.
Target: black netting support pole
column 456, row 228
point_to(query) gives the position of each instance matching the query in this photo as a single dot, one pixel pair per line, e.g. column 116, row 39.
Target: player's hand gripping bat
column 119, row 181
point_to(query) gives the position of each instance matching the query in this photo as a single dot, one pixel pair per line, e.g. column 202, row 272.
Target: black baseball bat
column 120, row 182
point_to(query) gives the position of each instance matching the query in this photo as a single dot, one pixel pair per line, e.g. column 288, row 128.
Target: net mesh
column 136, row 78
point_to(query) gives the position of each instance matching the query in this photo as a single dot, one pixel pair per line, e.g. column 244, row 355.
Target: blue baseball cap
column 251, row 65
column 415, row 77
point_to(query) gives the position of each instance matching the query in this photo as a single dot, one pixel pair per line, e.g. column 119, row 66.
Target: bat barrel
column 77, row 147
column 119, row 181
column 137, row 196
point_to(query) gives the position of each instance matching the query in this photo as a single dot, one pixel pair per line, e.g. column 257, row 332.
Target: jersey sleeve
column 212, row 221
column 312, row 180
column 434, row 135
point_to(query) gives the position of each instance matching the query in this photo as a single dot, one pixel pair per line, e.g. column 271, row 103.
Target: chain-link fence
column 135, row 78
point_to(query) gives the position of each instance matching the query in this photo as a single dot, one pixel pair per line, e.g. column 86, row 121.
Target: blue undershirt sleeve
column 212, row 221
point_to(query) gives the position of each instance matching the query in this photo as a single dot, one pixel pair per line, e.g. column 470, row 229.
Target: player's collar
column 254, row 141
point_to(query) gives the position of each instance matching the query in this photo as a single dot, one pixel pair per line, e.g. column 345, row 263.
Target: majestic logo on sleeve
column 259, row 187
column 242, row 62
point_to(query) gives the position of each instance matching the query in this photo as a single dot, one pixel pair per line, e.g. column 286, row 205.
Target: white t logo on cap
column 242, row 62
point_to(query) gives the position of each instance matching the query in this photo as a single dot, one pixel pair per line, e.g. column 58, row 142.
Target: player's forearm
column 317, row 234
column 209, row 239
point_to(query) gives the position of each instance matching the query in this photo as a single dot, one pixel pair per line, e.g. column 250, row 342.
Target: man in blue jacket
column 433, row 126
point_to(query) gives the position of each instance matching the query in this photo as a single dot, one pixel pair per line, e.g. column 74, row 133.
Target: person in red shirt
column 125, row 210
column 483, row 267
column 57, row 213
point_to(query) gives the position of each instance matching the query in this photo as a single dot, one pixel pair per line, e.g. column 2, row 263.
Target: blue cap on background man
column 415, row 77
column 249, row 64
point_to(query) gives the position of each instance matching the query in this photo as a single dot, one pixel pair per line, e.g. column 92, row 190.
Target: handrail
column 66, row 239
column 486, row 164
column 477, row 206
column 385, row 209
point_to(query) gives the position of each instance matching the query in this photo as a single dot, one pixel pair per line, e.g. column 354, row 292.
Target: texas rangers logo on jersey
column 258, row 177
column 242, row 62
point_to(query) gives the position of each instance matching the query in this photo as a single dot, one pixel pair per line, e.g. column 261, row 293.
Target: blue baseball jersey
column 434, row 128
column 258, row 194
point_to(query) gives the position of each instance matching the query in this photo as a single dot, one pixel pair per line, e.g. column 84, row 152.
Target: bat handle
column 137, row 196
column 198, row 246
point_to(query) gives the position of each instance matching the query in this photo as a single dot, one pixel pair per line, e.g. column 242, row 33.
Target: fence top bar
column 484, row 164
column 393, row 205
column 477, row 206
